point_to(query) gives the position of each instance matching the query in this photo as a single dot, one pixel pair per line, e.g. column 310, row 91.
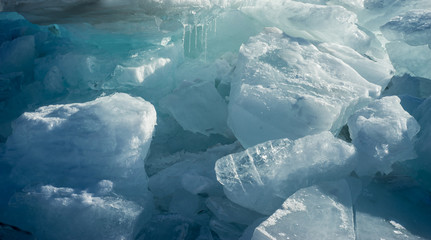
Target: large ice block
column 382, row 133
column 412, row 27
column 314, row 22
column 286, row 87
column 261, row 177
column 51, row 212
column 317, row 212
column 81, row 143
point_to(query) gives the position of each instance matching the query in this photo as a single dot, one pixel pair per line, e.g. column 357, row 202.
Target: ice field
column 215, row 119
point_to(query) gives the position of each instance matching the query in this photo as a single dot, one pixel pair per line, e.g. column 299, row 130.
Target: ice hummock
column 192, row 61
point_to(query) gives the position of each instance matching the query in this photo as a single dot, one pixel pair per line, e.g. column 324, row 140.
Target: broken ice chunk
column 65, row 213
column 81, row 143
column 412, row 27
column 414, row 60
column 311, row 21
column 317, row 212
column 410, row 36
column 287, row 88
column 262, row 177
column 382, row 133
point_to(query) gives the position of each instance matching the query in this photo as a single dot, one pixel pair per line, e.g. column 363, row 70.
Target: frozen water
column 423, row 114
column 308, row 21
column 317, row 212
column 261, row 177
column 286, row 87
column 413, row 60
column 89, row 158
column 410, row 35
column 413, row 28
column 82, row 143
column 198, row 107
column 89, row 215
column 382, row 133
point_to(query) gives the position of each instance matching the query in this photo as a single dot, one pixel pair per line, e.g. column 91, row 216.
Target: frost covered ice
column 215, row 119
column 286, row 87
column 382, row 133
column 83, row 143
column 100, row 215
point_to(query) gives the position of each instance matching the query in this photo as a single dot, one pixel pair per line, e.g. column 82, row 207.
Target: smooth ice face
column 286, row 87
column 382, row 133
column 79, row 143
column 317, row 212
column 261, row 177
column 374, row 70
column 198, row 107
column 51, row 212
column 413, row 28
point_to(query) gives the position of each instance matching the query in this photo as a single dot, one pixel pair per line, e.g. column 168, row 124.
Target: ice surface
column 82, row 143
column 413, row 28
column 286, row 87
column 228, row 211
column 198, row 107
column 43, row 211
column 309, row 21
column 377, row 71
column 370, row 227
column 410, row 35
column 280, row 78
column 407, row 85
column 423, row 114
column 413, row 60
column 261, row 177
column 393, row 207
column 317, row 212
column 382, row 133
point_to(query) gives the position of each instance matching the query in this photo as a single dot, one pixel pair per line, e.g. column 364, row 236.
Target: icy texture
column 317, row 212
column 377, row 71
column 407, row 85
column 371, row 226
column 198, row 108
column 393, row 207
column 81, row 143
column 410, row 35
column 286, row 87
column 423, row 114
column 382, row 133
column 413, row 28
column 413, row 60
column 378, row 12
column 228, row 211
column 43, row 210
column 75, row 165
column 310, row 20
column 261, row 176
